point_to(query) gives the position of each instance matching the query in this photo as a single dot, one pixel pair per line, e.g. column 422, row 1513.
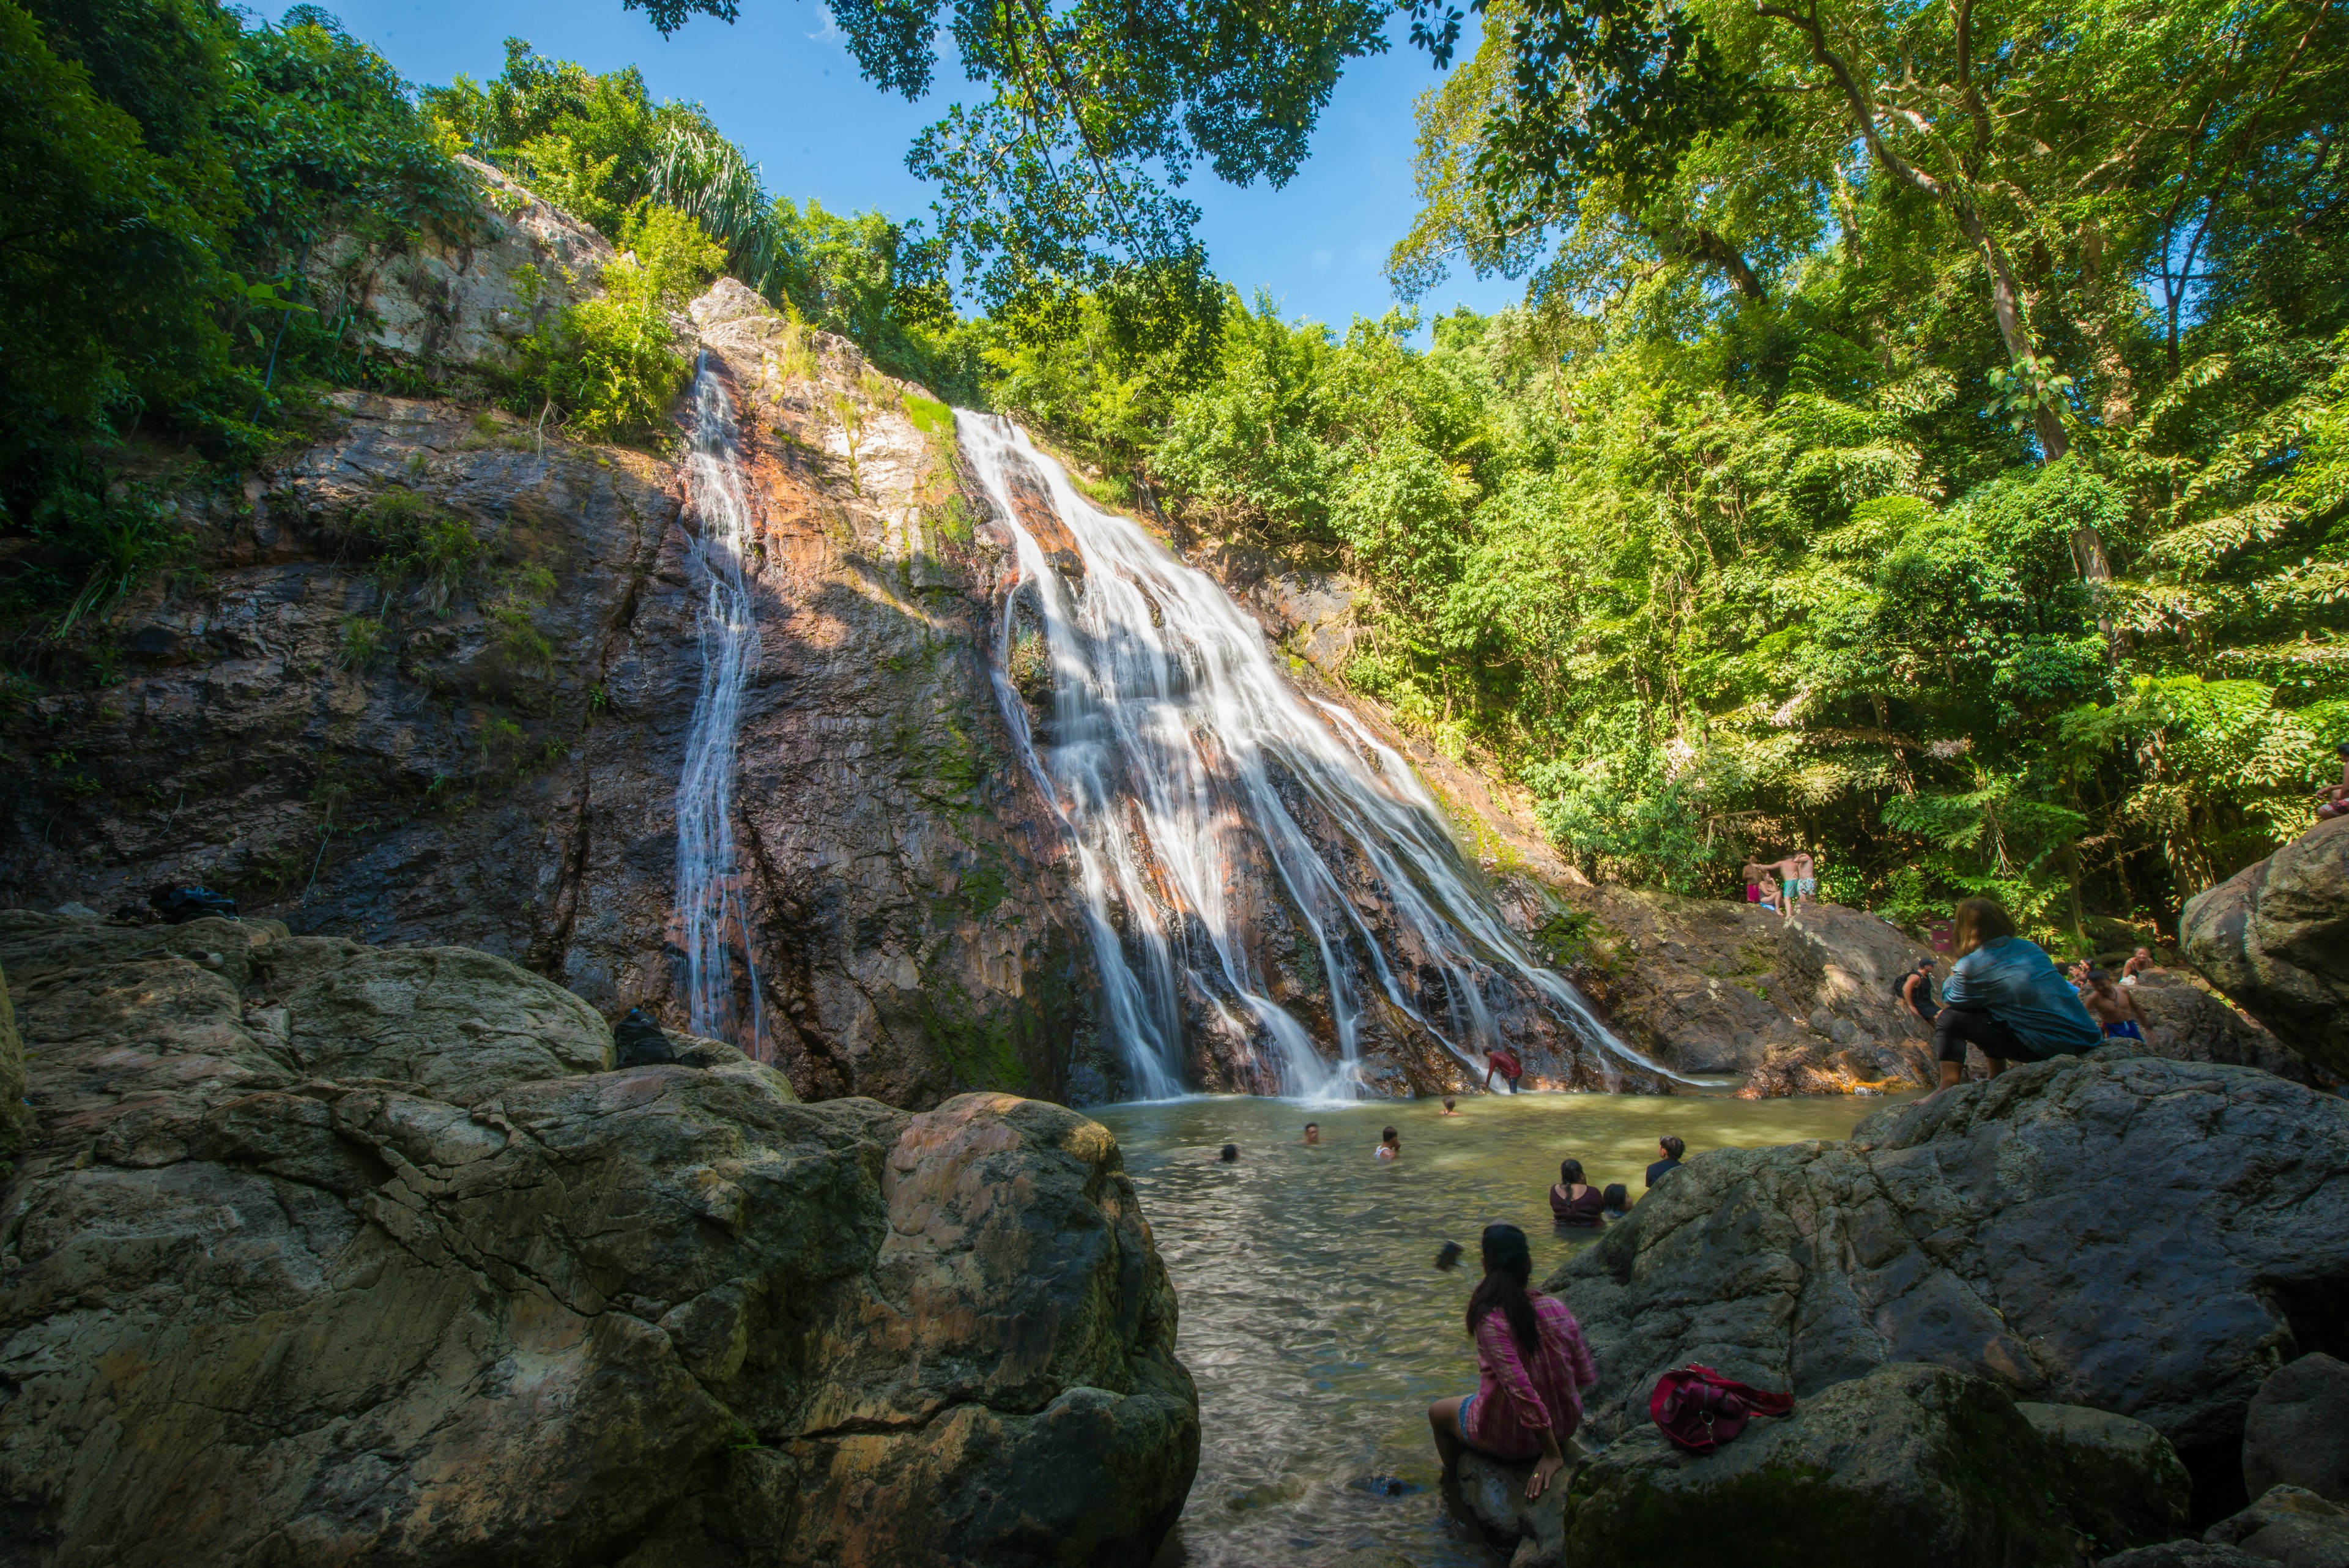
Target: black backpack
column 642, row 1042
column 178, row 906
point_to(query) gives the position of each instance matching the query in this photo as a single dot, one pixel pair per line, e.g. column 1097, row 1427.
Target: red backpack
column 1700, row 1409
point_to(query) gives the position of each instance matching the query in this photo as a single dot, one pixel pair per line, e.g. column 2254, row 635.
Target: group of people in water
column 2003, row 996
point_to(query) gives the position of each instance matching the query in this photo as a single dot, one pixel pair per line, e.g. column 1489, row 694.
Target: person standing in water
column 1574, row 1201
column 1313, row 1134
column 1504, row 1061
column 1389, row 1146
column 1672, row 1149
column 1532, row 1367
column 2006, row 996
column 1451, row 1107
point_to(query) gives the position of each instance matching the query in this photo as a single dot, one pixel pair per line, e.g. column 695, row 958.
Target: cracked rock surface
column 2275, row 938
column 323, row 1253
column 2143, row 1236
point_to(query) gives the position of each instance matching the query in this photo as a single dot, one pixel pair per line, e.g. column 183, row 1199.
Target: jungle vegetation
column 1924, row 438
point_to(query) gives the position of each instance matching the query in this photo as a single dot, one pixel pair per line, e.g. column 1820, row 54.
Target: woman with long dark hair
column 2006, row 996
column 1574, row 1201
column 1531, row 1369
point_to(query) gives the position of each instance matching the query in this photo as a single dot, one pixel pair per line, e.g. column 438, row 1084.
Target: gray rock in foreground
column 2275, row 938
column 2184, row 1554
column 2297, row 1432
column 328, row 1254
column 2134, row 1234
column 1909, row 1464
column 2290, row 1525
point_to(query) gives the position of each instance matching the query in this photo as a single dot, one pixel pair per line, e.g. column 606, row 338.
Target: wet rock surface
column 2145, row 1237
column 1799, row 1006
column 2274, row 937
column 432, row 685
column 480, row 1300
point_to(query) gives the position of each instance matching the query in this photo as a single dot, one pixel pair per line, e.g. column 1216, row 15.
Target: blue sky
column 780, row 84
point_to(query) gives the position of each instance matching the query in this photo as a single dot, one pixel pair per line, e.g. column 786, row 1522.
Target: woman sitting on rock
column 2005, row 995
column 1531, row 1365
column 1574, row 1201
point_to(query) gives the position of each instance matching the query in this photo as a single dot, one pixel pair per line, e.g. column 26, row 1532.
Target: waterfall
column 1174, row 744
column 709, row 888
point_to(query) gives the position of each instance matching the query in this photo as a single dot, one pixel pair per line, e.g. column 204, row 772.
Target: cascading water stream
column 709, row 889
column 1171, row 733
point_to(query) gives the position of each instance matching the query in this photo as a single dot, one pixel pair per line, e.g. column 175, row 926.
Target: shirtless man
column 1451, row 1107
column 2333, row 799
column 2113, row 1008
column 1762, row 886
column 1801, row 875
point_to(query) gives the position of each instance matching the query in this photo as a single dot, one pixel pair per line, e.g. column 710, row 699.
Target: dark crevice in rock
column 2217, row 1470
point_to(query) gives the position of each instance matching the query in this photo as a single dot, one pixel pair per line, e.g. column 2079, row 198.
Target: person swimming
column 1389, row 1144
column 1231, row 1154
column 1617, row 1203
column 1451, row 1107
column 1313, row 1134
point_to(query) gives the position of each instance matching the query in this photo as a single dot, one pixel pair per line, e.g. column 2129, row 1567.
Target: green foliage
column 611, row 363
column 600, row 148
column 169, row 167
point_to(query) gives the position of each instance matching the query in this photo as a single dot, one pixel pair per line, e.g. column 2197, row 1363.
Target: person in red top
column 1532, row 1367
column 1504, row 1061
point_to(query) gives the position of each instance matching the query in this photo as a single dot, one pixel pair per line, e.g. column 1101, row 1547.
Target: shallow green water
column 1313, row 1317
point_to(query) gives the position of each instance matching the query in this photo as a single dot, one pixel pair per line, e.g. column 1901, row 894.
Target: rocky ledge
column 325, row 1253
column 2026, row 1317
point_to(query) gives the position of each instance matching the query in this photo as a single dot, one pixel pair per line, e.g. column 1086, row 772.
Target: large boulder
column 1910, row 1464
column 2289, row 1525
column 2275, row 938
column 326, row 1253
column 2147, row 1237
column 2185, row 1022
column 2297, row 1430
column 1796, row 1006
column 1915, row 1465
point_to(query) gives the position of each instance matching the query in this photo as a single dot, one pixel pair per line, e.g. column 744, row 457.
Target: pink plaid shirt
column 1518, row 1394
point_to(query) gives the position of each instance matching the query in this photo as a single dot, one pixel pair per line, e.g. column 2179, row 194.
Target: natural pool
column 1313, row 1316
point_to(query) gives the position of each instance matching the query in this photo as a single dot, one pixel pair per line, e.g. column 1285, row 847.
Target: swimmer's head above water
column 1312, row 1132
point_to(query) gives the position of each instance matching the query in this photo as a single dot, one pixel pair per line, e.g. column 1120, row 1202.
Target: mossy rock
column 1913, row 1464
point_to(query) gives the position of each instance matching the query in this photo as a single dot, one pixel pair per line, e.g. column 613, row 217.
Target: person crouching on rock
column 1532, row 1367
column 2005, row 995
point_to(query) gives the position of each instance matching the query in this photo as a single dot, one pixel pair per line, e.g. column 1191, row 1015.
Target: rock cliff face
column 325, row 1253
column 433, row 681
column 2275, row 938
column 431, row 678
column 1800, row 1006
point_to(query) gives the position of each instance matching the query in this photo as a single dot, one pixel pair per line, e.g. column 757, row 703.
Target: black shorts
column 1955, row 1028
